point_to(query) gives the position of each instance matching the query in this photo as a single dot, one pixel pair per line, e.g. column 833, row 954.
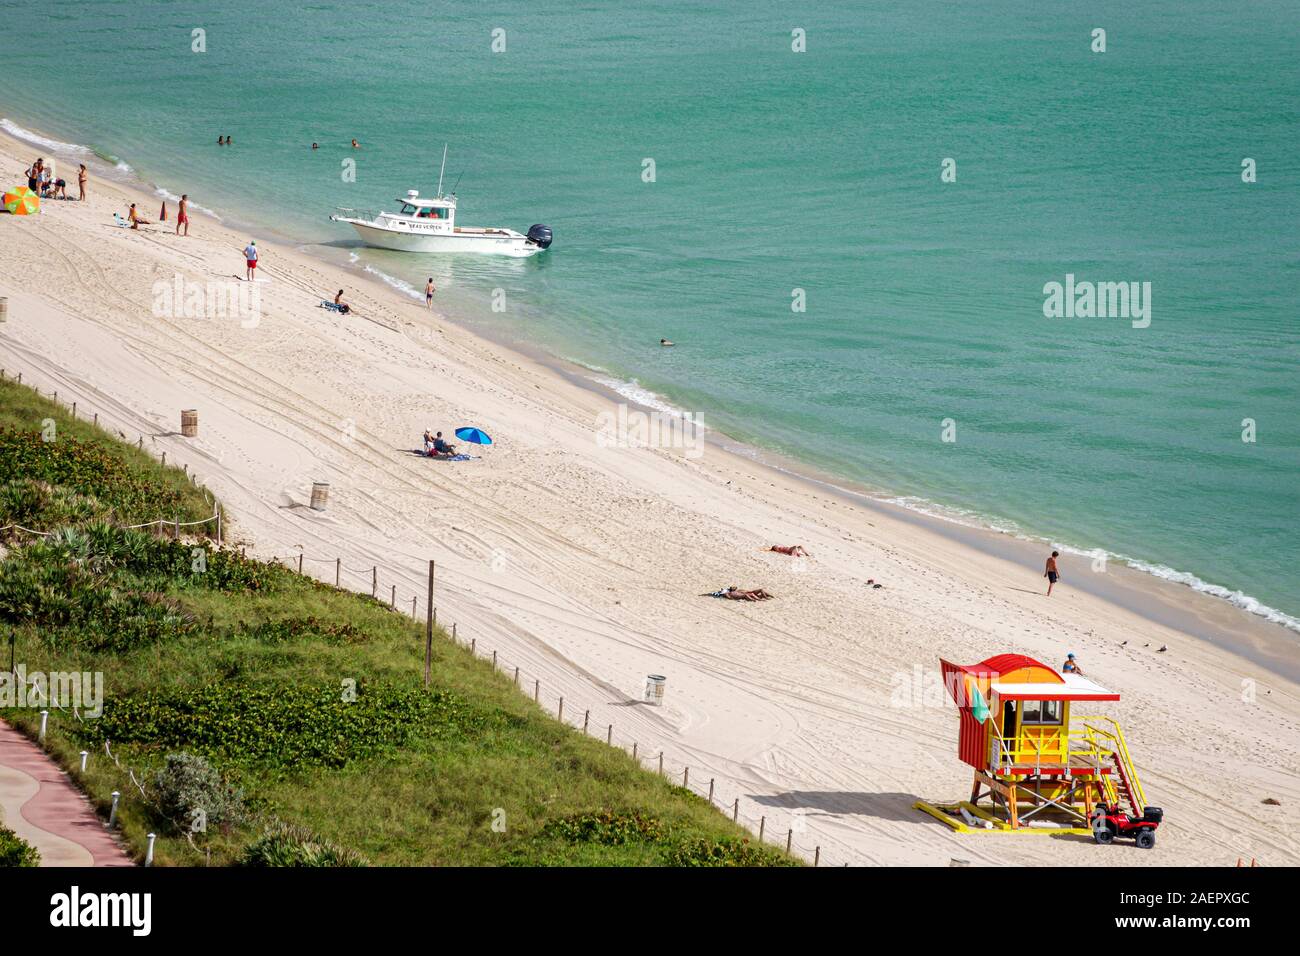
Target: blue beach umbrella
column 473, row 435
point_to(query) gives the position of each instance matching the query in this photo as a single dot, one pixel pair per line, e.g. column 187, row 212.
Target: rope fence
column 768, row 831
column 174, row 523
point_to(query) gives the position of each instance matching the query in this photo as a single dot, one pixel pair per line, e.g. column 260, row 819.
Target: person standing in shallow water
column 429, row 290
column 183, row 216
column 1051, row 572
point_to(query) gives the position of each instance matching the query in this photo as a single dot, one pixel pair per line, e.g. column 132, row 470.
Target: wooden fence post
column 585, row 718
column 516, row 676
column 537, row 690
column 686, row 777
column 494, row 660
column 428, row 629
column 735, row 811
column 661, row 763
column 634, row 756
column 393, row 602
column 560, row 713
column 762, row 825
column 817, row 856
column 338, row 571
column 300, row 562
column 789, row 838
column 711, row 779
column 374, row 581
column 609, row 737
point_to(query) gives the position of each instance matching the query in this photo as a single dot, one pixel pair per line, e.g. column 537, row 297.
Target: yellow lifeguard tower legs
column 1039, row 770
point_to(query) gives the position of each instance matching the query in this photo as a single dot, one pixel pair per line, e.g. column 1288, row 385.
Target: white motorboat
column 429, row 225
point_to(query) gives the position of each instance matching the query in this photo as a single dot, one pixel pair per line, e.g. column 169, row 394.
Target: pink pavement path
column 40, row 803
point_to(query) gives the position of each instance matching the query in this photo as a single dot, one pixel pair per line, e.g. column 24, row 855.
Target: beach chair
column 327, row 304
column 119, row 221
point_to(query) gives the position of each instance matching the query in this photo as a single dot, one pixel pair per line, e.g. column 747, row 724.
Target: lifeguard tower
column 1039, row 765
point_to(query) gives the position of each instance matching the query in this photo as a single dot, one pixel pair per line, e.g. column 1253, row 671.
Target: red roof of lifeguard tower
column 1018, row 677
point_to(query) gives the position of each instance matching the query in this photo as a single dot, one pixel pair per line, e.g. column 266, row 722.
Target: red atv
column 1110, row 821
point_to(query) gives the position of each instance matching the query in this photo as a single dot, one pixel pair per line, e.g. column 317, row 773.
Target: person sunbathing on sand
column 734, row 593
column 794, row 550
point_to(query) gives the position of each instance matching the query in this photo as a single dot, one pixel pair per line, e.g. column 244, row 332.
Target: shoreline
column 978, row 531
column 606, row 553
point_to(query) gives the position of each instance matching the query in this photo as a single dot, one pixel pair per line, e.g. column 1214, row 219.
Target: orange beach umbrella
column 21, row 201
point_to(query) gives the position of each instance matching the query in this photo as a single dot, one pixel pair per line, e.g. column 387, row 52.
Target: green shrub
column 192, row 794
column 39, row 585
column 728, row 851
column 287, row 726
column 282, row 844
column 15, row 851
column 298, row 629
column 608, row 828
column 95, row 469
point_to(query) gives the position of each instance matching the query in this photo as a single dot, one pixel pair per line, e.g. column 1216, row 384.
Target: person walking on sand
column 183, row 215
column 81, row 182
column 250, row 257
column 429, row 290
column 1051, row 572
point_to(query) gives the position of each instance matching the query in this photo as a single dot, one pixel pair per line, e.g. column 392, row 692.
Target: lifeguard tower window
column 1041, row 712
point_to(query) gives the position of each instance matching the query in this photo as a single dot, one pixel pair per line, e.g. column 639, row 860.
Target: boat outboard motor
column 540, row 235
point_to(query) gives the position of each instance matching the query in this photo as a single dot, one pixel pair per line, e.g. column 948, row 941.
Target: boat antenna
column 444, row 168
column 458, row 178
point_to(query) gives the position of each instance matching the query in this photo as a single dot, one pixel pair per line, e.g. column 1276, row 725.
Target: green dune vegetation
column 255, row 717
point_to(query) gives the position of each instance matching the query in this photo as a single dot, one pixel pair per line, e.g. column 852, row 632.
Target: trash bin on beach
column 654, row 689
column 320, row 494
column 190, row 422
column 4, row 309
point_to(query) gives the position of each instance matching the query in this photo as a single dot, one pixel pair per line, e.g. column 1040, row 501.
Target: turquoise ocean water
column 819, row 171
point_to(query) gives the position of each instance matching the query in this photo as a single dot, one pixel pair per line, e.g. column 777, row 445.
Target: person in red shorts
column 250, row 256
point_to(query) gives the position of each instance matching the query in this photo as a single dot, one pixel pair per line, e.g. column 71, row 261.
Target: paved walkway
column 41, row 804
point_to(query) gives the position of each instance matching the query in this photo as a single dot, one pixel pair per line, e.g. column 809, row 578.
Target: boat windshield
column 425, row 212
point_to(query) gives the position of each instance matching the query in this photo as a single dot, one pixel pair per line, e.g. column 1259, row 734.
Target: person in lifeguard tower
column 1071, row 666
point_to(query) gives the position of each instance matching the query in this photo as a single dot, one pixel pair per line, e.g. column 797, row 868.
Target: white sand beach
column 587, row 566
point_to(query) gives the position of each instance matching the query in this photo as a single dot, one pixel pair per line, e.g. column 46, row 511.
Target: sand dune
column 586, row 565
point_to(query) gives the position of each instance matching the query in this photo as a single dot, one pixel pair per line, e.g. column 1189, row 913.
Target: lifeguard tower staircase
column 1038, row 767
